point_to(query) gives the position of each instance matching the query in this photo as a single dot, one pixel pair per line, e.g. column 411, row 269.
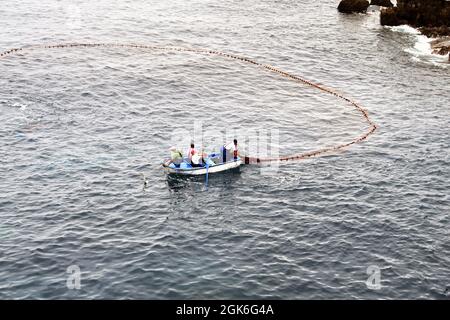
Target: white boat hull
column 202, row 171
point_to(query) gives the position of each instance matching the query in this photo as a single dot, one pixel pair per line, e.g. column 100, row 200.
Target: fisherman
column 191, row 152
column 175, row 156
column 196, row 160
column 229, row 151
column 235, row 151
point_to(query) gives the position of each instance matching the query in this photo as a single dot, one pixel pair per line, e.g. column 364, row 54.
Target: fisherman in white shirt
column 229, row 151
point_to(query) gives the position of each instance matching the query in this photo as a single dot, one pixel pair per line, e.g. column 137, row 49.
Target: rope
column 206, row 178
column 270, row 68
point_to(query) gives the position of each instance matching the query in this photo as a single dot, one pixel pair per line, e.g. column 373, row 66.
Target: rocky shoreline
column 431, row 17
column 441, row 46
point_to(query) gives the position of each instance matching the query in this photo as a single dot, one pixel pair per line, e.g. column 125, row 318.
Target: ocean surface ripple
column 82, row 126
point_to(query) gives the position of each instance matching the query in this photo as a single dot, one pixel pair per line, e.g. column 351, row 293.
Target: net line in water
column 248, row 159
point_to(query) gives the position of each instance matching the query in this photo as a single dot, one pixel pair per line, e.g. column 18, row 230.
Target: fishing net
column 312, row 119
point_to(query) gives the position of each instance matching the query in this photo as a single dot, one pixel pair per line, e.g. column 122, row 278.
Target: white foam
column 373, row 8
column 404, row 28
column 422, row 47
column 422, row 51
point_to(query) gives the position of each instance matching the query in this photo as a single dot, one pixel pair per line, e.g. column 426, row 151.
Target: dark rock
column 389, row 17
column 418, row 13
column 381, row 3
column 432, row 17
column 442, row 51
column 434, row 32
column 351, row 6
column 441, row 46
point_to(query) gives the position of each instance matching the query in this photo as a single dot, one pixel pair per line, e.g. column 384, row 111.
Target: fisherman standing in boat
column 229, row 151
column 191, row 152
column 235, row 151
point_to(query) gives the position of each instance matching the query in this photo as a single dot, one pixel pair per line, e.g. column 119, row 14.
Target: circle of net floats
column 292, row 77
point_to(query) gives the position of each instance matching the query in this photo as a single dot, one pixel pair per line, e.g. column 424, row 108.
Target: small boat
column 213, row 165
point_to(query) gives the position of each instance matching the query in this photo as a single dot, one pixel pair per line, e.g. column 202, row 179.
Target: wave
column 421, row 51
column 405, row 29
